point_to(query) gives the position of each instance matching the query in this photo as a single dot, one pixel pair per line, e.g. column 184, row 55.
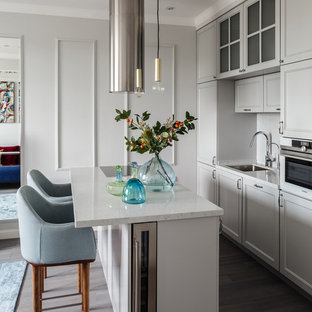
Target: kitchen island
column 159, row 256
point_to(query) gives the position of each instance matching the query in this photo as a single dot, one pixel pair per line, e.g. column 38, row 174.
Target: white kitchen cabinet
column 249, row 95
column 249, row 38
column 261, row 221
column 261, row 34
column 230, row 43
column 296, row 25
column 296, row 233
column 259, row 94
column 207, row 122
column 221, row 134
column 272, row 93
column 230, row 199
column 207, row 182
column 206, row 53
column 296, row 100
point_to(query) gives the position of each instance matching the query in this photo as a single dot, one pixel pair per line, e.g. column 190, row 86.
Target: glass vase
column 157, row 175
column 133, row 192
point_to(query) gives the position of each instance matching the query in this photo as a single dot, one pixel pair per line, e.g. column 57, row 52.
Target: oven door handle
column 296, row 155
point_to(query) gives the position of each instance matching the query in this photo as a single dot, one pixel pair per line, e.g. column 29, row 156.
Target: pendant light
column 157, row 86
column 126, row 30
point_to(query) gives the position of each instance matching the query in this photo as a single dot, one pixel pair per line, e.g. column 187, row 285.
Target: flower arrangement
column 154, row 139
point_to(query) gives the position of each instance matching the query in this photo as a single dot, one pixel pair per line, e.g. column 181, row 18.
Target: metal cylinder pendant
column 126, row 30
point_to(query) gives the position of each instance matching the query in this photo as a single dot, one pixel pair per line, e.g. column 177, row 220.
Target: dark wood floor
column 245, row 285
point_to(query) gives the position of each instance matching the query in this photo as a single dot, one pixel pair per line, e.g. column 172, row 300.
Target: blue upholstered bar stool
column 49, row 238
column 56, row 193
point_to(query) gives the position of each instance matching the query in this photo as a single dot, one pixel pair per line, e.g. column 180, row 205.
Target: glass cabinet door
column 261, row 29
column 230, row 46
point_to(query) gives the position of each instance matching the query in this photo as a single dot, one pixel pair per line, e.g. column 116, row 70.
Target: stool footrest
column 63, row 306
column 62, row 296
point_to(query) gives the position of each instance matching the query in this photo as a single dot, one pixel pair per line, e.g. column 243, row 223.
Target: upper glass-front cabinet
column 261, row 34
column 230, row 47
column 248, row 38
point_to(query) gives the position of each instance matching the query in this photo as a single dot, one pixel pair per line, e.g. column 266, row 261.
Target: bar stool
column 56, row 193
column 49, row 238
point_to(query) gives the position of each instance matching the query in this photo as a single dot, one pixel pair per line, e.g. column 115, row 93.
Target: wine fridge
column 144, row 271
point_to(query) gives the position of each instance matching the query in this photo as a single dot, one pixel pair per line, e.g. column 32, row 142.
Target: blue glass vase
column 157, row 175
column 134, row 191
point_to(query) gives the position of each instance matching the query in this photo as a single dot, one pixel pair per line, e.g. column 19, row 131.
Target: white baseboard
column 9, row 234
column 9, row 229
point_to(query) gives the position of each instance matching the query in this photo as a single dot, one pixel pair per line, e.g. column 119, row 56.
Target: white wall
column 10, row 134
column 268, row 122
column 40, row 82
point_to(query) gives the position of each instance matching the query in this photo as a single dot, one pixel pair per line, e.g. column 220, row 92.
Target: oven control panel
column 303, row 145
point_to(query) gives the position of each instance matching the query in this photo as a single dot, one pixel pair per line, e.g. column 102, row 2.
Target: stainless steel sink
column 247, row 167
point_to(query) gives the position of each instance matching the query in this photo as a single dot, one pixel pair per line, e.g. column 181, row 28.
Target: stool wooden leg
column 86, row 285
column 79, row 278
column 36, row 288
column 45, row 272
column 42, row 279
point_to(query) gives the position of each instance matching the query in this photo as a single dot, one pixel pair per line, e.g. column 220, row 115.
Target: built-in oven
column 296, row 167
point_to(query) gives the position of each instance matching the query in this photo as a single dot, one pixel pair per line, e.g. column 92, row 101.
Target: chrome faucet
column 278, row 164
column 268, row 156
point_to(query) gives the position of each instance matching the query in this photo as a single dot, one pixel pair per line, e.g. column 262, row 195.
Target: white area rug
column 8, row 207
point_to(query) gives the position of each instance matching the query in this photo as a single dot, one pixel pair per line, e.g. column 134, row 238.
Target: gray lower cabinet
column 295, row 240
column 251, row 214
column 261, row 221
column 230, row 199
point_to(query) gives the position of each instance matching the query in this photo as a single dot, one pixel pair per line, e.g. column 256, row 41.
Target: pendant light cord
column 157, row 28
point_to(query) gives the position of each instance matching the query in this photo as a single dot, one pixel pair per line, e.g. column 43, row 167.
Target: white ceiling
column 185, row 11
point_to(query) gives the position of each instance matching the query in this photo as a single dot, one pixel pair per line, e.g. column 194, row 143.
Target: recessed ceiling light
column 170, row 8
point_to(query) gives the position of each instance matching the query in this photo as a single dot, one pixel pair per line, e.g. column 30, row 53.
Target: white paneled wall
column 164, row 102
column 75, row 103
column 58, row 128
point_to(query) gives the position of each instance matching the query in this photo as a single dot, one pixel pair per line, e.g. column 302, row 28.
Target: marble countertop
column 269, row 176
column 94, row 206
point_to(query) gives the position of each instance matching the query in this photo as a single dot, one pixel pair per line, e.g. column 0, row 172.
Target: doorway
column 10, row 133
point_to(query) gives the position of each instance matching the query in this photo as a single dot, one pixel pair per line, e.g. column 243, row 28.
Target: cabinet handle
column 137, row 291
column 238, row 183
column 241, row 70
column 247, row 109
column 278, row 109
column 281, row 61
column 214, row 77
column 220, row 225
column 281, row 126
column 280, row 200
column 214, row 160
column 258, row 186
column 214, row 174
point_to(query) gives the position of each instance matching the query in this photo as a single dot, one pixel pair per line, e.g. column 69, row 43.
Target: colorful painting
column 7, row 101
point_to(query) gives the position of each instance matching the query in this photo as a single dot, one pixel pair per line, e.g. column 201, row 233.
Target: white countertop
column 94, row 206
column 269, row 176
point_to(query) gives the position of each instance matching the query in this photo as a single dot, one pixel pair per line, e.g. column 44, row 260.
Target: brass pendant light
column 157, row 86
